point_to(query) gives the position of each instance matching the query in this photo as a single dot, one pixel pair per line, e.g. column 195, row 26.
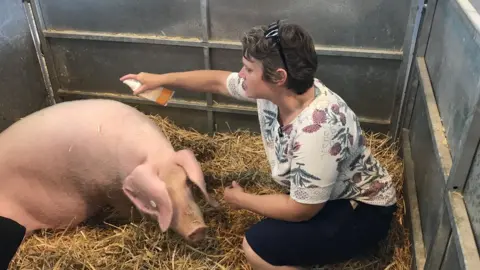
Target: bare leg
column 257, row 263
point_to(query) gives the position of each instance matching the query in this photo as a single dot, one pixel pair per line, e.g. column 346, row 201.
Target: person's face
column 254, row 85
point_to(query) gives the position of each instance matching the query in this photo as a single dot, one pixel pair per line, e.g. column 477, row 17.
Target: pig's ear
column 186, row 159
column 149, row 194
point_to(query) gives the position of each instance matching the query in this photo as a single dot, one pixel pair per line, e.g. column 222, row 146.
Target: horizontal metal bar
column 435, row 122
column 174, row 103
column 468, row 256
column 196, row 42
column 195, row 105
column 411, row 201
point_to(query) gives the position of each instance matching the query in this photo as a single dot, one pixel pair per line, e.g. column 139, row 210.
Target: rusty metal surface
column 453, row 60
column 372, row 24
column 21, row 86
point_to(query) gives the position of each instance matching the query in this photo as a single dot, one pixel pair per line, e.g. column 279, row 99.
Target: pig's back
column 91, row 129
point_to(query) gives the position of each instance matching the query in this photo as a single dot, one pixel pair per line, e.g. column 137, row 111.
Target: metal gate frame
column 453, row 223
column 38, row 28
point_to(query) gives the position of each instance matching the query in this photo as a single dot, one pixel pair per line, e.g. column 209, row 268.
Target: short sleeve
column 313, row 170
column 235, row 87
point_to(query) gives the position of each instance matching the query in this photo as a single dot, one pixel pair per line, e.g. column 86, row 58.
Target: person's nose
column 241, row 74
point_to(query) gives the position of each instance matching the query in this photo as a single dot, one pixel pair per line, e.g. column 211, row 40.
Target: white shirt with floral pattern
column 321, row 155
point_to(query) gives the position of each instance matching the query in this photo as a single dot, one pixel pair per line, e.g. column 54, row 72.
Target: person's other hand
column 232, row 195
column 148, row 80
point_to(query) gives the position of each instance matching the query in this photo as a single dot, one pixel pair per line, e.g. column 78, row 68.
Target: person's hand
column 148, row 80
column 232, row 195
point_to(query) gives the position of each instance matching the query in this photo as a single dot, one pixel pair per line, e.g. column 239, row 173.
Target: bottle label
column 159, row 95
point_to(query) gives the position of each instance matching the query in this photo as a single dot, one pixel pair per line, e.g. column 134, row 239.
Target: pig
column 62, row 164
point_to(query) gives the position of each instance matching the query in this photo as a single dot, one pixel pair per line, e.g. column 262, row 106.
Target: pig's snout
column 198, row 234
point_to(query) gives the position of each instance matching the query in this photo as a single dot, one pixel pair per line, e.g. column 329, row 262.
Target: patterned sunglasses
column 273, row 33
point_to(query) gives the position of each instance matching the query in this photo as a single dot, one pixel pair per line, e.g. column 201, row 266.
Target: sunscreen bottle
column 159, row 95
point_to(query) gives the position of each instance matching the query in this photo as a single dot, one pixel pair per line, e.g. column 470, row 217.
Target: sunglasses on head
column 273, row 33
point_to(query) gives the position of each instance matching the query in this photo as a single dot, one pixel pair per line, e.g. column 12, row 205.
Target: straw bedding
column 225, row 157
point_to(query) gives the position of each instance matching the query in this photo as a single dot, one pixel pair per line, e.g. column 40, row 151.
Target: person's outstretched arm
column 213, row 81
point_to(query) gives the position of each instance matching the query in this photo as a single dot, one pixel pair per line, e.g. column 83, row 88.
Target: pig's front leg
column 123, row 207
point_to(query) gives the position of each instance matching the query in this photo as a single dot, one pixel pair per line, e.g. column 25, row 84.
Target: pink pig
column 61, row 165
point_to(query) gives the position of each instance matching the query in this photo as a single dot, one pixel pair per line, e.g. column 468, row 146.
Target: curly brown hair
column 299, row 51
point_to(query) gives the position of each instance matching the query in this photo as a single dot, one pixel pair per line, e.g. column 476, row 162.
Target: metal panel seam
column 462, row 231
column 413, row 212
column 45, row 45
column 207, row 61
column 403, row 82
column 219, row 107
column 195, row 42
column 36, row 42
column 429, row 16
column 434, row 120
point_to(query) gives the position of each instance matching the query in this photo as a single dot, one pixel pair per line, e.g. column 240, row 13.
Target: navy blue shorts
column 337, row 233
column 11, row 237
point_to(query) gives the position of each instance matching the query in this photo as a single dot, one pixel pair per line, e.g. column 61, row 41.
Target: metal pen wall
column 22, row 90
column 89, row 44
column 441, row 121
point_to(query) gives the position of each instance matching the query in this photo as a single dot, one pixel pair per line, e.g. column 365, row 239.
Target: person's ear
column 282, row 77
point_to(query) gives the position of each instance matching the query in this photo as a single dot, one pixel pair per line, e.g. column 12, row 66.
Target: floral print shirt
column 320, row 155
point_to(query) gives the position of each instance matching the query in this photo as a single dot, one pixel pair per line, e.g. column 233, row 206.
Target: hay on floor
column 225, row 157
